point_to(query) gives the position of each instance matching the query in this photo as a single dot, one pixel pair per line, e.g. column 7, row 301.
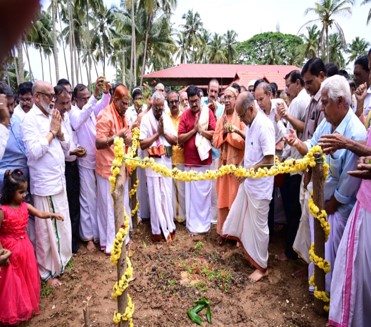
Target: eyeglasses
column 51, row 96
column 29, row 100
column 174, row 101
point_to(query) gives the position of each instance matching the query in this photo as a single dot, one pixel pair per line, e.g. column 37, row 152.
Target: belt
column 71, row 163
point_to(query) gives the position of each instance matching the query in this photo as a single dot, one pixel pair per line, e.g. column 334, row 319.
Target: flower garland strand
column 321, row 263
column 121, row 285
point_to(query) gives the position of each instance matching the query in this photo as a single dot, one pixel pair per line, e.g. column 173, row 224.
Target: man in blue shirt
column 340, row 188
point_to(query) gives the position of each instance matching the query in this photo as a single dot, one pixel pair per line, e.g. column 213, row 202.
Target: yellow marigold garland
column 135, row 210
column 134, row 189
column 119, row 152
column 121, row 285
column 320, row 215
column 320, row 295
column 318, row 261
column 128, row 314
column 119, row 240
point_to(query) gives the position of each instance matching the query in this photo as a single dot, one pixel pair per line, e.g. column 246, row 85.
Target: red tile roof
column 245, row 73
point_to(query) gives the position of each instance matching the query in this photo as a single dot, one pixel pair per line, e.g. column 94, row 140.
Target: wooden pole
column 319, row 235
column 133, row 200
column 118, row 207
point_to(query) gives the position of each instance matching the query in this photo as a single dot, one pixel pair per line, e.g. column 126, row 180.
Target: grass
column 46, row 290
column 70, row 265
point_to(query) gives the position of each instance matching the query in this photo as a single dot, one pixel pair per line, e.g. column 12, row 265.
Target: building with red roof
column 200, row 74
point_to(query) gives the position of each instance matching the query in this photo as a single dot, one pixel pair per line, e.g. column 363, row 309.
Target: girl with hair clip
column 19, row 277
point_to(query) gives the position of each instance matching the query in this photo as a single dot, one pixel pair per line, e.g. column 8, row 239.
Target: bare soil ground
column 170, row 277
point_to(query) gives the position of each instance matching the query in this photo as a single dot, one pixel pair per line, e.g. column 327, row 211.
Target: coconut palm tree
column 311, row 42
column 336, row 50
column 326, row 10
column 152, row 8
column 230, row 43
column 181, row 42
column 369, row 12
column 356, row 48
column 192, row 28
column 217, row 54
column 201, row 54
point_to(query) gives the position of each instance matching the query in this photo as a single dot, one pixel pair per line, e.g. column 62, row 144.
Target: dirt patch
column 170, row 277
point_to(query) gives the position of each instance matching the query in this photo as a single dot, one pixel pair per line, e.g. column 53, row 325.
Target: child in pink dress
column 19, row 277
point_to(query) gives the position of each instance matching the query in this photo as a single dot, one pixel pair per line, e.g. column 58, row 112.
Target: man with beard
column 157, row 135
column 45, row 142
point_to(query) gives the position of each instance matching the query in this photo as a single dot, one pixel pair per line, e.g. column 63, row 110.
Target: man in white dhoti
column 83, row 121
column 195, row 132
column 45, row 141
column 247, row 220
column 340, row 188
column 157, row 135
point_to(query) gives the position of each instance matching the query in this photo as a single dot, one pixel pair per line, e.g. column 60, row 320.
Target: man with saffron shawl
column 111, row 123
column 230, row 139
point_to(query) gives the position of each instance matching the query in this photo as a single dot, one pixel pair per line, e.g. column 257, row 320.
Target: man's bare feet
column 53, row 282
column 91, row 246
column 281, row 257
column 257, row 275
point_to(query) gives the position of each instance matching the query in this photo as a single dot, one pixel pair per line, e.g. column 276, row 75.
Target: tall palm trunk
column 149, row 26
column 123, row 68
column 50, row 71
column 133, row 55
column 71, row 41
column 55, row 44
column 63, row 47
column 16, row 70
column 42, row 64
column 20, row 66
column 28, row 60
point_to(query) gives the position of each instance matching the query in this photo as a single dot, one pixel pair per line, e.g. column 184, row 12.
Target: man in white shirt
column 83, row 122
column 45, row 142
column 157, row 132
column 63, row 104
column 4, row 124
column 25, row 98
column 247, row 220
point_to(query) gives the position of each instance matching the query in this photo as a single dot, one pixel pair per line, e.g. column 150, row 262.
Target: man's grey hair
column 265, row 86
column 337, row 86
column 158, row 96
column 247, row 100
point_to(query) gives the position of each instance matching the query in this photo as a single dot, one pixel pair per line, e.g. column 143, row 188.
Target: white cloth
column 148, row 127
column 179, row 197
column 302, row 240
column 142, row 194
column 350, row 287
column 279, row 127
column 19, row 113
column 53, row 237
column 162, row 217
column 71, row 136
column 4, row 135
column 45, row 161
column 297, row 109
column 88, row 205
column 83, row 123
column 247, row 222
column 105, row 213
column 260, row 142
column 131, row 114
column 198, row 203
column 214, row 195
column 202, row 143
column 367, row 103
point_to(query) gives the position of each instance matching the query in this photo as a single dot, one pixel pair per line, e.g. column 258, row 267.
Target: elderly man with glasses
column 157, row 135
column 83, row 121
column 45, row 142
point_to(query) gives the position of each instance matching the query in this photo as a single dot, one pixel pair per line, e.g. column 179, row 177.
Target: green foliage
column 271, row 48
column 46, row 290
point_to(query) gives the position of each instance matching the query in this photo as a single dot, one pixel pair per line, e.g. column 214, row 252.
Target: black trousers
column 290, row 192
column 73, row 194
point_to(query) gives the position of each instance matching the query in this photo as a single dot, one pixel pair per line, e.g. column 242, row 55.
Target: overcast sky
column 250, row 17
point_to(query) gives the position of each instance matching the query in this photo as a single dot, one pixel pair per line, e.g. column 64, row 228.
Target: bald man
column 45, row 142
column 111, row 122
